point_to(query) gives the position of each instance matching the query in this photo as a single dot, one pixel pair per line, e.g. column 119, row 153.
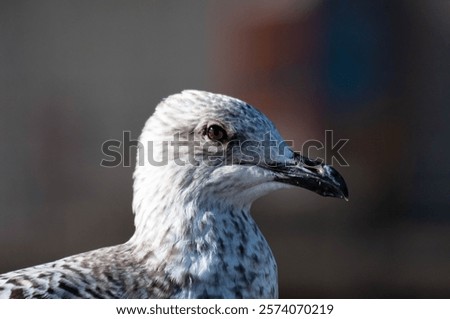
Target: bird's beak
column 312, row 175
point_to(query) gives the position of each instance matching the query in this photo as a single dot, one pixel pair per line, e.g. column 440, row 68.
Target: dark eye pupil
column 216, row 133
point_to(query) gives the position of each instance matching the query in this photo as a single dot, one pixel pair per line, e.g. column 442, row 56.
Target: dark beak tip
column 344, row 190
column 344, row 196
column 341, row 190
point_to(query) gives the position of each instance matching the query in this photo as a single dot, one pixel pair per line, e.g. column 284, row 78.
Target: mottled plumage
column 195, row 237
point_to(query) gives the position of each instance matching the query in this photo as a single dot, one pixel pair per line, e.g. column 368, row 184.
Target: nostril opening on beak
column 309, row 163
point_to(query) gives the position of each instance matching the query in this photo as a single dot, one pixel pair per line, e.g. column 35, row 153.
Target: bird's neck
column 169, row 220
column 166, row 218
column 201, row 244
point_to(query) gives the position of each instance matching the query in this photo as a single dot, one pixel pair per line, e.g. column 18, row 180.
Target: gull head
column 211, row 148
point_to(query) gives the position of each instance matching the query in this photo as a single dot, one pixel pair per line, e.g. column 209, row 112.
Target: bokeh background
column 76, row 73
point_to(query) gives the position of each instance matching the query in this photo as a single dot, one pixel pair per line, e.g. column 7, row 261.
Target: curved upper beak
column 312, row 175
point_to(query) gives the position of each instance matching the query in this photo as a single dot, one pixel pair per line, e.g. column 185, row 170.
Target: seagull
column 202, row 159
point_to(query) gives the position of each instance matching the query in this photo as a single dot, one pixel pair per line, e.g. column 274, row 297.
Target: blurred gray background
column 76, row 73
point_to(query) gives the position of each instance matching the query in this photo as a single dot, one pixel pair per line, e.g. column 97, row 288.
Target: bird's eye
column 216, row 133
